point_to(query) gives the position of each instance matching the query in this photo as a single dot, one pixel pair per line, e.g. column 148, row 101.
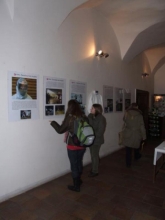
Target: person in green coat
column 133, row 133
column 98, row 122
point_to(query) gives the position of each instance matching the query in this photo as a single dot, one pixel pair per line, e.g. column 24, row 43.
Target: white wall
column 159, row 81
column 156, row 57
column 31, row 151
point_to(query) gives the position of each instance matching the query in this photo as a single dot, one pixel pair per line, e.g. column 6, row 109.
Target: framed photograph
column 59, row 109
column 49, row 110
column 53, row 96
column 25, row 114
column 118, row 99
column 127, row 97
column 108, row 99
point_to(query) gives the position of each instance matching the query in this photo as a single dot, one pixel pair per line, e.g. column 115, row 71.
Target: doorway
column 142, row 100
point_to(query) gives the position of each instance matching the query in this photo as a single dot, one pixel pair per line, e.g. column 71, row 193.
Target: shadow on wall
column 159, row 65
column 143, row 41
column 85, row 37
column 145, row 64
column 90, row 4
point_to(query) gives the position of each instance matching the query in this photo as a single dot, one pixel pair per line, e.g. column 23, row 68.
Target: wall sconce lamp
column 144, row 75
column 100, row 53
column 158, row 98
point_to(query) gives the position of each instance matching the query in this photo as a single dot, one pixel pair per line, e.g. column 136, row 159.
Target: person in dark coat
column 133, row 133
column 98, row 122
column 75, row 153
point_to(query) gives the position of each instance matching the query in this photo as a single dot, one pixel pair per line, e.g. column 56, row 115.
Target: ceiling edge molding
column 90, row 4
column 10, row 6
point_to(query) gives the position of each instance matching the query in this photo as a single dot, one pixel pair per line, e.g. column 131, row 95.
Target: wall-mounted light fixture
column 158, row 98
column 144, row 75
column 100, row 53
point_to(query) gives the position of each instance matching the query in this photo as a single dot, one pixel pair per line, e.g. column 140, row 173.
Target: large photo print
column 24, row 88
column 53, row 96
column 22, row 96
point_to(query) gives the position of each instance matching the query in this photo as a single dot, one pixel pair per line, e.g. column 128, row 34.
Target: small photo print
column 106, row 110
column 53, row 96
column 49, row 110
column 110, row 105
column 77, row 97
column 119, row 105
column 59, row 109
column 25, row 114
column 82, row 108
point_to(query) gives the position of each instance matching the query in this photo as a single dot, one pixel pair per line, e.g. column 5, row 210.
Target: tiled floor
column 117, row 193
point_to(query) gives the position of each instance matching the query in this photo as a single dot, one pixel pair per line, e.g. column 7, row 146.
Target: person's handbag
column 120, row 137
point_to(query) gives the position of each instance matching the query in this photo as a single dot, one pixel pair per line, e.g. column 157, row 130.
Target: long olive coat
column 99, row 125
column 134, row 131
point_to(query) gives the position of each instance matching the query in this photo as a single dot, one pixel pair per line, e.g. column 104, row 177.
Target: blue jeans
column 76, row 157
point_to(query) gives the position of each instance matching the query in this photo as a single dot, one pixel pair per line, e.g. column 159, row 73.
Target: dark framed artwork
column 118, row 99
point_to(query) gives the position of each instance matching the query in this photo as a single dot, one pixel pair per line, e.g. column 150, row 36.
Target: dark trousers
column 76, row 164
column 94, row 151
column 129, row 155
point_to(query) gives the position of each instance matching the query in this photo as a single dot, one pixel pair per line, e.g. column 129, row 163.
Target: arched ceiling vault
column 50, row 13
column 138, row 24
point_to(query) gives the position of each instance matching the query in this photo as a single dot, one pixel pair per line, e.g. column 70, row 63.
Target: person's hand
column 144, row 141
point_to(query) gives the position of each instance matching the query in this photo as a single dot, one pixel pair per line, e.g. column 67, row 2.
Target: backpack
column 83, row 133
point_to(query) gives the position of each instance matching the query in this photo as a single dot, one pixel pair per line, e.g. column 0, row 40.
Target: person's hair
column 98, row 109
column 134, row 105
column 74, row 109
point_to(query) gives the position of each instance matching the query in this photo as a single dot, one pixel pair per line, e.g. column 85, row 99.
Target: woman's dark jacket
column 67, row 125
column 99, row 124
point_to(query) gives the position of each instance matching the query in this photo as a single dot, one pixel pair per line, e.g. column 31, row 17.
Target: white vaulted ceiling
column 138, row 24
column 48, row 12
